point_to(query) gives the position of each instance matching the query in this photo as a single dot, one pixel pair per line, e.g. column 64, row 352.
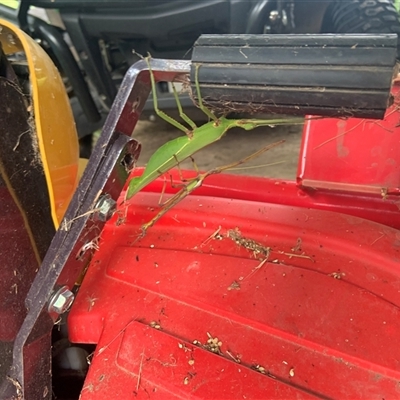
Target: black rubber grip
column 330, row 75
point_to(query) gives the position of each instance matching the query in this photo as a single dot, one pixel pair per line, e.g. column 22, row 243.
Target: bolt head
column 106, row 207
column 61, row 301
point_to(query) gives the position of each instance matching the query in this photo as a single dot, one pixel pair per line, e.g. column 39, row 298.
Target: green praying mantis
column 193, row 184
column 172, row 153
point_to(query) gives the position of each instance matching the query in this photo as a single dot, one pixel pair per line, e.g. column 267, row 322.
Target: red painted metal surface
column 254, row 288
column 314, row 335
column 355, row 155
column 371, row 206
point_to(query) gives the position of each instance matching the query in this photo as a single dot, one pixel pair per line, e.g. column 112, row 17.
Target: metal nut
column 105, row 207
column 61, row 300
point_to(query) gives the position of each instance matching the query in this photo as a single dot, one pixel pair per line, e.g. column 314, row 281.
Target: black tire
column 362, row 16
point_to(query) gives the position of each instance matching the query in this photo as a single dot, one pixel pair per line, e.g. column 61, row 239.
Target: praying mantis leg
column 177, row 150
column 159, row 112
column 181, row 113
column 197, row 182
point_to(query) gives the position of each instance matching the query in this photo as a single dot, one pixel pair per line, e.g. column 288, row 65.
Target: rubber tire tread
column 362, row 16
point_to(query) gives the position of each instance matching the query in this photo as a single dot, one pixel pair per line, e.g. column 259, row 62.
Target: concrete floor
column 235, row 145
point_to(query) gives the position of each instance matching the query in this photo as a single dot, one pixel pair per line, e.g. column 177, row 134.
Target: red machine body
column 256, row 288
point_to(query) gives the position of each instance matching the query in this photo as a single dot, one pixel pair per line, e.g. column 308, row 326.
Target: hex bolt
column 105, row 208
column 61, row 300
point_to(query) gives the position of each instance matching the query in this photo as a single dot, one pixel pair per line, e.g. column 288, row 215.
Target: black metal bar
column 105, row 173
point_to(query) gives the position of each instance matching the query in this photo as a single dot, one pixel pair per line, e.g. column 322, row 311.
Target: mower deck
column 227, row 298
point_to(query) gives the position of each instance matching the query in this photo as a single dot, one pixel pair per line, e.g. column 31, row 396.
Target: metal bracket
column 113, row 158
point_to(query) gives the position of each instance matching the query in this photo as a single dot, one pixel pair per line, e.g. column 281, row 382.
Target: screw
column 61, row 300
column 274, row 15
column 105, row 208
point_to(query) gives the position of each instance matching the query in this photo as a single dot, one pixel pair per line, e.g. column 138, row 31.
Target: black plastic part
column 23, row 9
column 237, row 10
column 258, row 16
column 6, row 70
column 165, row 29
column 90, row 56
column 9, row 14
column 70, row 67
column 330, row 75
column 65, row 59
column 62, row 4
